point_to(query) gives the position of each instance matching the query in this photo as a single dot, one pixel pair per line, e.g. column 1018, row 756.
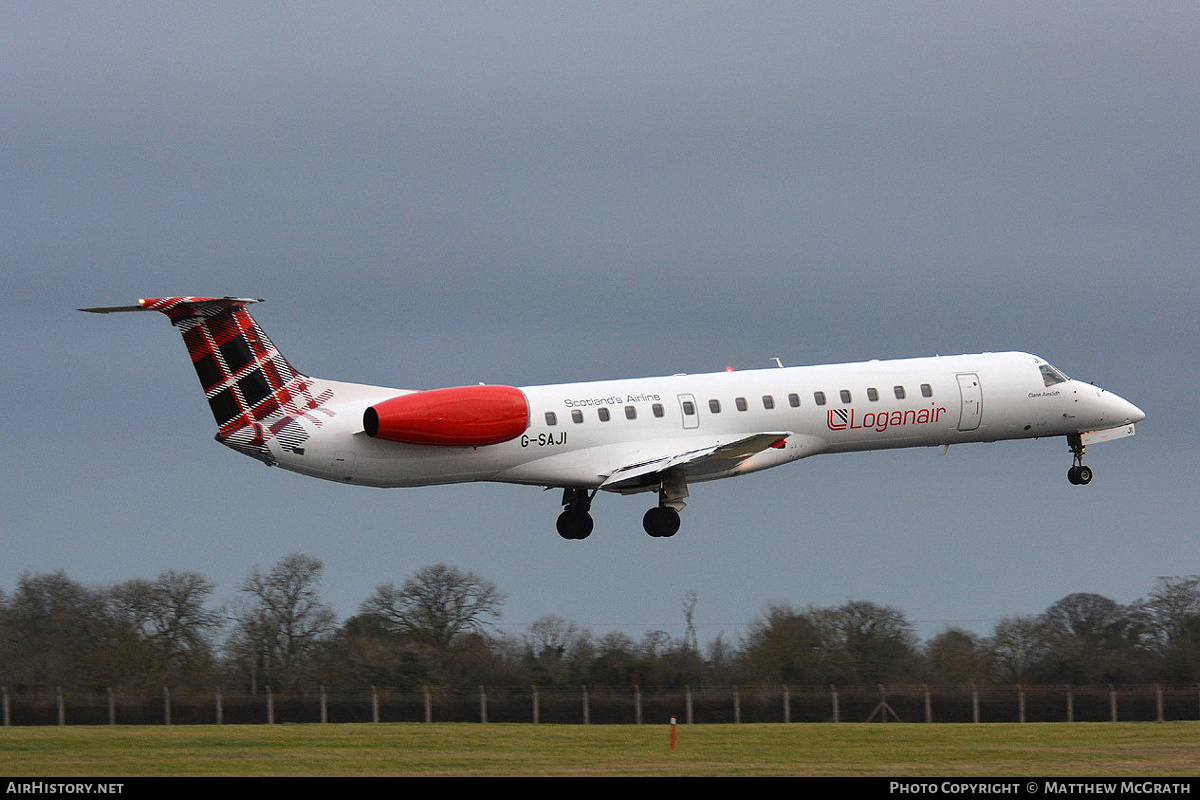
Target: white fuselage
column 580, row 434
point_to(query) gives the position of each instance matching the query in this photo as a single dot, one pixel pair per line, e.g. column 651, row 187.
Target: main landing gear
column 1078, row 474
column 575, row 522
column 662, row 521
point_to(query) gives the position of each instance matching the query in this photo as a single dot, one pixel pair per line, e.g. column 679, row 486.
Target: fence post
column 375, row 704
column 1070, row 704
column 1112, row 702
column 536, row 710
column 428, row 705
column 687, row 694
column 637, row 705
column 837, row 712
column 220, row 703
column 7, row 718
column 587, row 710
column 324, row 705
column 1158, row 700
column 975, row 703
column 166, row 705
column 482, row 703
column 1020, row 703
column 928, row 705
column 62, row 712
column 112, row 708
column 270, row 706
column 787, row 704
column 737, row 706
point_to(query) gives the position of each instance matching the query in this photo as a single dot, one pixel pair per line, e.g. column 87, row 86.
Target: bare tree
column 55, row 632
column 872, row 643
column 550, row 646
column 1018, row 645
column 170, row 625
column 281, row 620
column 436, row 606
column 785, row 645
column 1094, row 639
column 955, row 656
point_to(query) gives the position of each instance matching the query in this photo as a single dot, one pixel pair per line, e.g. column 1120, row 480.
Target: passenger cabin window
column 603, row 413
column 577, row 416
column 794, row 400
column 819, row 397
column 872, row 394
column 551, row 418
column 741, row 404
column 630, row 412
column 768, row 402
column 689, row 408
column 899, row 390
column 714, row 406
column 845, row 393
column 657, row 408
column 1051, row 376
column 926, row 390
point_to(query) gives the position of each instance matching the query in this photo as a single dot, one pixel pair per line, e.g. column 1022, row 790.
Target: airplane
column 657, row 434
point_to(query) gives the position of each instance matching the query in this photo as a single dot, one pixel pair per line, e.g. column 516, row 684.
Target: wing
column 711, row 459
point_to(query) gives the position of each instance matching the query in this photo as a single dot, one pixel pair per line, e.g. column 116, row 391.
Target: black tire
column 574, row 525
column 661, row 521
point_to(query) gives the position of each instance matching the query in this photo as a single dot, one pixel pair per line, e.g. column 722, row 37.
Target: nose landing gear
column 1078, row 474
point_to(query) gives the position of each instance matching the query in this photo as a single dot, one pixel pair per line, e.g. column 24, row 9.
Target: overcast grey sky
column 431, row 194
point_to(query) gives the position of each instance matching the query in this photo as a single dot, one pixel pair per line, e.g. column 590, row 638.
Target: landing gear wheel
column 1079, row 475
column 575, row 522
column 661, row 521
column 574, row 525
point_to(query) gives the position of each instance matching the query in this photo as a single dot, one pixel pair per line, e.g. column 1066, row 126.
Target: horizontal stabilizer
column 714, row 458
column 147, row 305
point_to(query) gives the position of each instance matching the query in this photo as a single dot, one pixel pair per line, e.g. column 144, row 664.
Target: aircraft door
column 972, row 401
column 687, row 406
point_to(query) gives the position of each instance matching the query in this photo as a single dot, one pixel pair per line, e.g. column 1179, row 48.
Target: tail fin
column 254, row 393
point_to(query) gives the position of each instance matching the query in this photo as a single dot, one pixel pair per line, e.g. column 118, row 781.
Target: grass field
column 891, row 750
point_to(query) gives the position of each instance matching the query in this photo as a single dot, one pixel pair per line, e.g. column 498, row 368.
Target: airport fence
column 635, row 705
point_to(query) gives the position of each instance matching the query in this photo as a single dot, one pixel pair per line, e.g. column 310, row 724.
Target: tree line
column 439, row 627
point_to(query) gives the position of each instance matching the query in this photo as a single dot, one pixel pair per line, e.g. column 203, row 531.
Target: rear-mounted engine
column 464, row 416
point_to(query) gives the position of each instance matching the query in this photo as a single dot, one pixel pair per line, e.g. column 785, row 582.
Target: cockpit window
column 1051, row 376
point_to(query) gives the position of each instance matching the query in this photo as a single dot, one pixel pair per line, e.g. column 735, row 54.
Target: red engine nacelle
column 465, row 416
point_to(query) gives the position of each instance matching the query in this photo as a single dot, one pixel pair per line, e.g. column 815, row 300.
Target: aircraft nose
column 1125, row 410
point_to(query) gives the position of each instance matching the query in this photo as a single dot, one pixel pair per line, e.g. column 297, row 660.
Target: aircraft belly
column 586, row 467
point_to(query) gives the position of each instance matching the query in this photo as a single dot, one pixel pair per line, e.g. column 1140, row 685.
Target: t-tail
column 256, row 396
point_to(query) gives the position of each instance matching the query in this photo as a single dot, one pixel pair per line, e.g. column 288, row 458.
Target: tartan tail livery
column 657, row 435
column 256, row 396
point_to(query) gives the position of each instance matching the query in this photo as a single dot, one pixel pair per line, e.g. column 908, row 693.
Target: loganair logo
column 848, row 419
